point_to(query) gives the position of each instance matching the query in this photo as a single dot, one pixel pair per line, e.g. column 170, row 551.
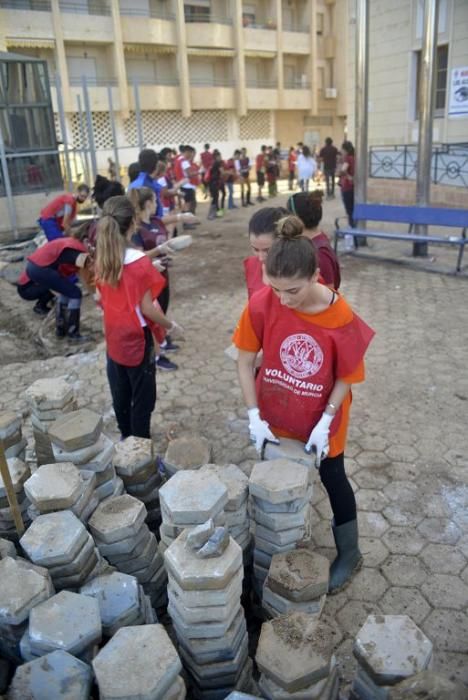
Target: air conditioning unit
column 331, row 93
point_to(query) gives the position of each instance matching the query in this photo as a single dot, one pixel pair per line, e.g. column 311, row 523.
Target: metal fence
column 449, row 163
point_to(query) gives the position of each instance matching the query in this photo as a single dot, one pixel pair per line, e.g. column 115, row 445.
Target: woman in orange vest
column 53, row 266
column 127, row 285
column 313, row 348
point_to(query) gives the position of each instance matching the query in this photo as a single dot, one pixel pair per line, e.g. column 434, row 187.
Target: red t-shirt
column 56, row 208
column 347, row 179
column 260, row 162
column 207, row 159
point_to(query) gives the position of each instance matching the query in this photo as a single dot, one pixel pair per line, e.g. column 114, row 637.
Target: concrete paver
column 408, row 420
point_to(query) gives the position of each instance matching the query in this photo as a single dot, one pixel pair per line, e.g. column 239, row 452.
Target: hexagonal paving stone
column 299, row 575
column 138, row 662
column 372, row 499
column 439, row 530
column 430, row 685
column 234, row 480
column 292, row 450
column 353, row 614
column 192, row 497
column 192, row 573
column 391, row 647
column 54, row 486
column 76, row 429
column 404, row 570
column 117, row 594
column 19, row 472
column 54, row 538
column 55, row 675
column 22, row 587
column 403, row 540
column 49, row 393
column 367, row 584
column 407, row 601
column 402, row 453
column 371, row 478
column 373, row 550
column 294, row 651
column 371, row 524
column 445, row 591
column 278, row 480
column 187, row 452
column 410, row 515
column 117, row 519
column 372, row 459
column 67, row 621
column 10, row 423
column 133, row 455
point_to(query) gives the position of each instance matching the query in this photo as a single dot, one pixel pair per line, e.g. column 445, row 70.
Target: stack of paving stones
column 236, row 510
column 427, row 685
column 297, row 582
column 122, row 602
column 77, row 438
column 295, row 658
column 22, row 586
column 48, row 399
column 55, row 675
column 139, row 663
column 135, row 463
column 65, row 622
column 205, row 572
column 123, row 538
column 11, row 435
column 186, row 452
column 61, row 486
column 279, row 508
column 188, row 499
column 61, row 543
column 19, row 473
column 389, row 649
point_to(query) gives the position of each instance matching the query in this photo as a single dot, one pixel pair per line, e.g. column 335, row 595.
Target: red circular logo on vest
column 301, row 355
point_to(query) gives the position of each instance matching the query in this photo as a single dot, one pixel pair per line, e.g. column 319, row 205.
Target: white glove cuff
column 326, row 419
column 253, row 413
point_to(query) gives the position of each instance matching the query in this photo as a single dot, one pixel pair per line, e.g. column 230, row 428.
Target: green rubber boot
column 349, row 557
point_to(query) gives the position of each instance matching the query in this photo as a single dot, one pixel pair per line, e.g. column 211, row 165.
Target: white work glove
column 188, row 217
column 259, row 430
column 317, row 443
column 160, row 267
column 176, row 331
column 165, row 248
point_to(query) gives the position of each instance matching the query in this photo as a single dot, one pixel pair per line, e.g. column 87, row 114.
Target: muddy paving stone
column 299, row 575
column 117, row 518
column 54, row 486
column 50, row 393
column 19, row 473
column 448, row 628
column 367, row 584
column 404, row 570
column 22, row 588
column 371, row 478
column 402, row 540
column 427, row 684
column 76, row 430
column 439, row 530
column 371, row 524
column 54, row 539
column 133, row 455
column 353, row 615
column 372, row 499
column 402, row 516
column 373, row 551
column 278, row 480
column 187, row 452
column 55, row 675
column 192, row 497
column 445, row 591
column 451, row 665
column 405, row 601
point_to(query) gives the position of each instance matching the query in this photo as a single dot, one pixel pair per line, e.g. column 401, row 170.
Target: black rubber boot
column 212, row 212
column 349, row 557
column 73, row 332
column 60, row 319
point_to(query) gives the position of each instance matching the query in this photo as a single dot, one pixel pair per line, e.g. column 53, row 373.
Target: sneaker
column 169, row 346
column 220, row 213
column 164, row 364
column 40, row 309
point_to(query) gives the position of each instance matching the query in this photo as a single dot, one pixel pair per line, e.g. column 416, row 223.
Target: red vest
column 207, row 159
column 51, row 209
column 301, row 362
column 47, row 254
column 124, row 333
column 178, row 172
column 253, row 275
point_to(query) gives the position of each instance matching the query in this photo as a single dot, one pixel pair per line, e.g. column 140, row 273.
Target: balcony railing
column 207, row 17
column 295, row 27
column 145, row 80
column 212, row 82
column 154, row 13
column 248, row 24
column 36, row 5
column 77, row 81
column 91, row 7
column 449, row 163
column 262, row 84
column 296, row 84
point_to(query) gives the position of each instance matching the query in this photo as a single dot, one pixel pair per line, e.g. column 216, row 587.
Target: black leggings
column 342, row 501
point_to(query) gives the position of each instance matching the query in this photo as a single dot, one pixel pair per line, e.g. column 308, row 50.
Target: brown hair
column 111, row 239
column 291, row 255
column 307, row 206
column 139, row 196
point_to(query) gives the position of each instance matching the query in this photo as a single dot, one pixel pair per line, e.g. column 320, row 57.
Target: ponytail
column 111, row 239
column 307, row 206
column 291, row 255
column 138, row 197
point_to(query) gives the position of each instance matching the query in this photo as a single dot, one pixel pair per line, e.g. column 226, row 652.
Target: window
column 197, row 11
column 320, row 23
column 440, row 78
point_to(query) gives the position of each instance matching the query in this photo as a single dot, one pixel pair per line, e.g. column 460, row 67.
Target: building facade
column 230, row 72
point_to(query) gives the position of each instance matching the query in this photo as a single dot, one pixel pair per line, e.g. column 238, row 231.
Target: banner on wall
column 458, row 100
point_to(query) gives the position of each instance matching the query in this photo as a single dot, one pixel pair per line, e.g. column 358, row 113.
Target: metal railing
column 295, row 27
column 154, row 13
column 212, row 82
column 90, row 7
column 77, row 81
column 296, row 84
column 145, row 80
column 262, row 84
column 36, row 5
column 257, row 25
column 207, row 18
column 449, row 163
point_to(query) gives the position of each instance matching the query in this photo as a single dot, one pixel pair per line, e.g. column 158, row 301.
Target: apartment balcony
column 258, row 37
column 262, row 94
column 97, row 92
column 28, row 20
column 215, row 33
column 155, row 93
column 212, row 93
column 296, row 39
column 152, row 27
column 296, row 94
column 86, row 21
column 26, row 5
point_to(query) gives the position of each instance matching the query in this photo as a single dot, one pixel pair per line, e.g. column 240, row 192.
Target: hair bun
column 289, row 228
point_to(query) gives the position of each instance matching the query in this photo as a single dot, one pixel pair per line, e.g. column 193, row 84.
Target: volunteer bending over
column 313, row 348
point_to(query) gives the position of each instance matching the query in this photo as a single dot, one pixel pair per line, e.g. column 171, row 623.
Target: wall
column 404, row 192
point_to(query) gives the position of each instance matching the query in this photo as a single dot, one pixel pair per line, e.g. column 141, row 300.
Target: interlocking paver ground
column 407, row 439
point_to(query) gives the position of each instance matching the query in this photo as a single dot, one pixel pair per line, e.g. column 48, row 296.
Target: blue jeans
column 43, row 279
column 230, row 188
column 51, row 228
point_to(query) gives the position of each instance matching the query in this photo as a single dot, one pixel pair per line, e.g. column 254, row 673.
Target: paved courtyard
column 407, row 453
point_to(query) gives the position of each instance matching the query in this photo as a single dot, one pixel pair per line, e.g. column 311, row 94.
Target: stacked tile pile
column 11, row 435
column 122, row 602
column 190, row 498
column 48, row 399
column 135, row 463
column 65, row 622
column 22, row 587
column 77, row 438
column 62, row 486
column 389, row 649
column 280, row 502
column 123, row 538
column 55, row 675
column 139, row 663
column 61, row 543
column 186, row 452
column 295, row 657
column 205, row 572
column 297, row 581
column 236, row 510
column 19, row 473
